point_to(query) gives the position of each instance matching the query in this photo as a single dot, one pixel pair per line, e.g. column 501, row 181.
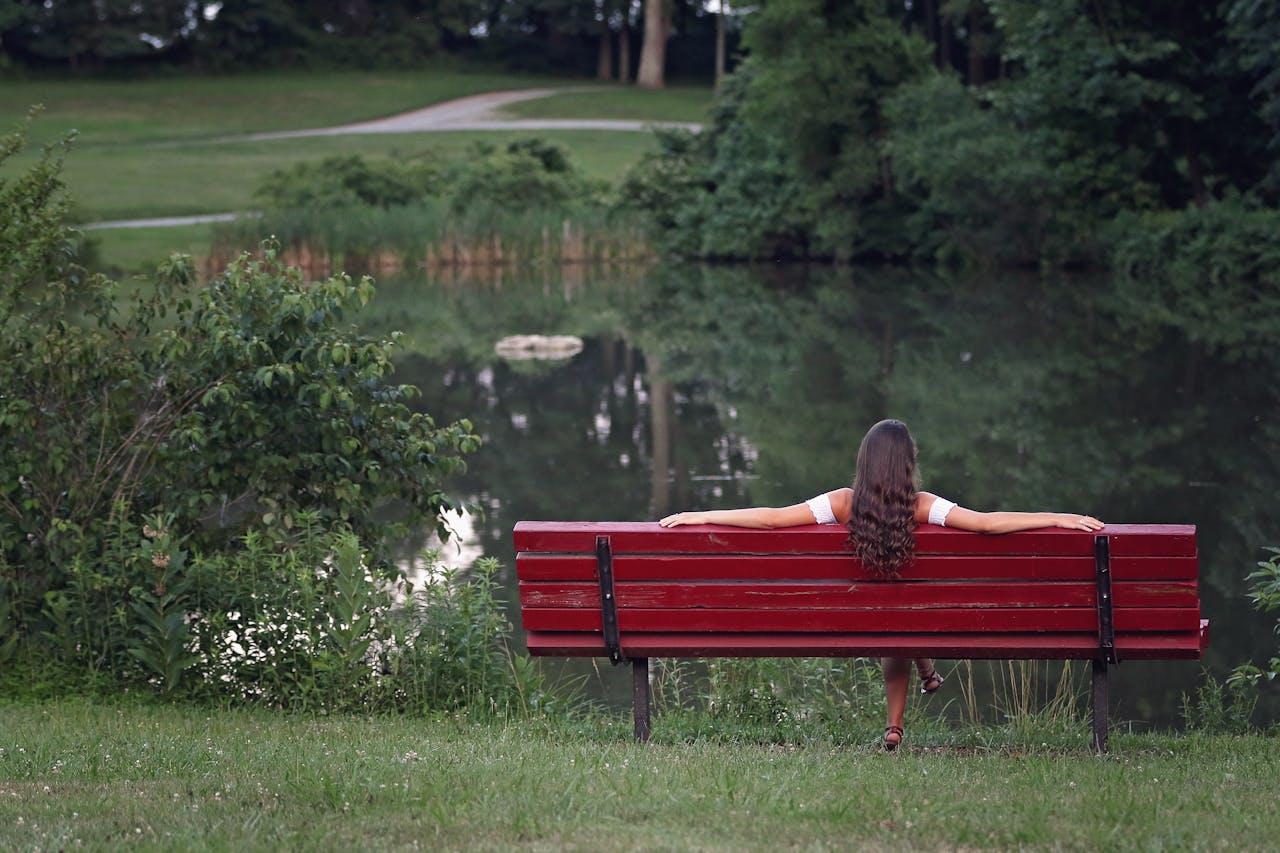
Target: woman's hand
column 1077, row 522
column 681, row 518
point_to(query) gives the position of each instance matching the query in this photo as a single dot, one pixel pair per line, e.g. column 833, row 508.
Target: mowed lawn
column 77, row 775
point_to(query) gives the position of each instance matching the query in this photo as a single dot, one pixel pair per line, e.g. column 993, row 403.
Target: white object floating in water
column 519, row 347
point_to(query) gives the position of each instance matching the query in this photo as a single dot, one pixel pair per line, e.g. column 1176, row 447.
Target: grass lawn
column 73, row 774
column 184, row 107
column 121, row 252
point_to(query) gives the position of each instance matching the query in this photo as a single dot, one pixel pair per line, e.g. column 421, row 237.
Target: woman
column 881, row 510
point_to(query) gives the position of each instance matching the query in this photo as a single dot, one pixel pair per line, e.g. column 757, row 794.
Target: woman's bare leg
column 897, row 672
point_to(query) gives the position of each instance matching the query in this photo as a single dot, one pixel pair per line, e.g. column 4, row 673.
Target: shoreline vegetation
column 372, row 241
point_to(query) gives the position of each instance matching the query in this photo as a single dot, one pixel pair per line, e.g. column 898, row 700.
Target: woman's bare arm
column 764, row 517
column 1004, row 522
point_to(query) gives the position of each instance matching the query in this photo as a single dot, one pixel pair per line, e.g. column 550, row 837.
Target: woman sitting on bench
column 881, row 510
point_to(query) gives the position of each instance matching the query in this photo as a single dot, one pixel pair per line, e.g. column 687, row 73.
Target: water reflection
column 715, row 387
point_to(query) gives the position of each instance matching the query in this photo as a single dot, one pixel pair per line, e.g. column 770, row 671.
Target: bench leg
column 640, row 696
column 1100, row 705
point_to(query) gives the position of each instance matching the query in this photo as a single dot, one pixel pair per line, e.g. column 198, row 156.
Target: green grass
column 123, row 252
column 126, row 112
column 128, row 183
column 171, row 778
column 681, row 103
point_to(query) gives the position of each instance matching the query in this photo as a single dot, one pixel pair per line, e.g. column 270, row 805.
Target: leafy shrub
column 234, row 421
column 347, row 181
column 1219, row 708
column 525, row 174
column 1264, row 592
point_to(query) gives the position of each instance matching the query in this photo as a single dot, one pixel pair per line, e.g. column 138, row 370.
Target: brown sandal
column 892, row 737
column 931, row 681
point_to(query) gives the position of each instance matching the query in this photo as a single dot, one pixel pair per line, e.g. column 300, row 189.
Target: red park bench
column 634, row 590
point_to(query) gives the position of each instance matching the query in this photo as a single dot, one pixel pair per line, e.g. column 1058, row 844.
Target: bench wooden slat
column 1127, row 540
column 743, row 621
column 631, row 567
column 1185, row 645
column 882, row 594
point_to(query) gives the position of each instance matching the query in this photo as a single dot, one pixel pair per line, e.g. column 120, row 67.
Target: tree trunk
column 624, row 55
column 720, row 38
column 653, row 49
column 931, row 29
column 604, row 56
column 976, row 48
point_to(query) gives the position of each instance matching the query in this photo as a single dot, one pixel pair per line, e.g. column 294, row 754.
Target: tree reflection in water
column 719, row 387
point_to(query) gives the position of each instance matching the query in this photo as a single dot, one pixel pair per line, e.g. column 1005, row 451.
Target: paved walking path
column 476, row 112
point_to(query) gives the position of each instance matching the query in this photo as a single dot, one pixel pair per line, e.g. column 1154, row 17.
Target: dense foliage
column 840, row 139
column 1264, row 592
column 199, row 486
column 544, row 35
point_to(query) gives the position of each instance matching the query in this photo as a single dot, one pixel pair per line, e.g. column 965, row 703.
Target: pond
column 710, row 387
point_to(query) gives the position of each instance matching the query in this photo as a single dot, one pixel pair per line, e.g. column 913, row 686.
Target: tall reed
column 427, row 235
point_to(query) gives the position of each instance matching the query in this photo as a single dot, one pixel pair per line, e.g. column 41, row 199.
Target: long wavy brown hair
column 882, row 524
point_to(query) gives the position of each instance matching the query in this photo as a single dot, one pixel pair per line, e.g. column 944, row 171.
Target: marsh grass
column 147, row 777
column 428, row 236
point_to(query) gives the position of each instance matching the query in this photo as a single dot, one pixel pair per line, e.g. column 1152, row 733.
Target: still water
column 709, row 387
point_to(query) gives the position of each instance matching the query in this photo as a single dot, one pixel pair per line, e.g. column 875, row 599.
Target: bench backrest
column 715, row 591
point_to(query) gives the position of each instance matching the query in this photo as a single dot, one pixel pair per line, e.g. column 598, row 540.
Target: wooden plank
column 881, row 594
column 530, row 566
column 646, row 537
column 1012, row 646
column 650, row 537
column 888, row 621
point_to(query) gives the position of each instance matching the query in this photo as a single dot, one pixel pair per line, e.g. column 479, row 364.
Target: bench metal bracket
column 1106, row 641
column 608, row 602
column 1102, row 574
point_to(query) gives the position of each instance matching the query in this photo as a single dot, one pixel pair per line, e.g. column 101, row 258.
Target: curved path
column 476, row 112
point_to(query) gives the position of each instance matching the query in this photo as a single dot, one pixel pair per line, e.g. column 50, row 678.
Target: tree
column 653, row 49
column 89, row 34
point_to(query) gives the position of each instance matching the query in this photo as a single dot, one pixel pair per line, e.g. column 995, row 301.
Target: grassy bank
column 147, row 778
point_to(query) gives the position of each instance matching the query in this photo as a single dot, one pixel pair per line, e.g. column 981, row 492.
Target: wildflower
column 160, row 560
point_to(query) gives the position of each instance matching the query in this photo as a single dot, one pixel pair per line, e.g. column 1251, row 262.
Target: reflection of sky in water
column 460, row 552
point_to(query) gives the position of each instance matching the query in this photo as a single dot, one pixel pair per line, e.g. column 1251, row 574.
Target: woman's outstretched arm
column 1004, row 522
column 759, row 516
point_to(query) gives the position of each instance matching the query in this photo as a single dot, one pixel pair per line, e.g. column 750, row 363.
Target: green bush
column 234, row 425
column 1264, row 592
column 526, row 174
column 348, row 181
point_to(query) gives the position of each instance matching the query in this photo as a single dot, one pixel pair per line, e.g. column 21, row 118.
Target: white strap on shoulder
column 821, row 509
column 938, row 511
